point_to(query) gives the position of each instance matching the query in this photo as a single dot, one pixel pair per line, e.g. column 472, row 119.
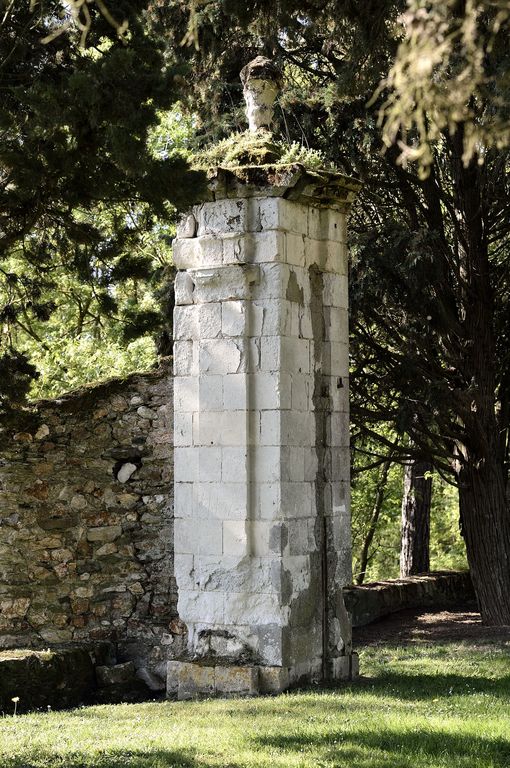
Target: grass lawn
column 416, row 707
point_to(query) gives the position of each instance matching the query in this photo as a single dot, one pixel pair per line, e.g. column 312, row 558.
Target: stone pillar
column 262, row 521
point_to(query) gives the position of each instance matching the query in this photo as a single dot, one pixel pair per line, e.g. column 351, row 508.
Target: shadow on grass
column 419, row 687
column 157, row 758
column 391, row 748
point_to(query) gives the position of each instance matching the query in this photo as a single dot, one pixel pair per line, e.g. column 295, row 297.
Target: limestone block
column 273, row 679
column 341, row 567
column 270, row 353
column 297, row 428
column 222, row 216
column 340, row 493
column 334, row 359
column 205, row 607
column 335, row 290
column 184, row 287
column 186, row 323
column 295, row 249
column 186, row 394
column 327, row 224
column 268, row 500
column 254, row 248
column 296, row 500
column 187, row 226
column 195, row 680
column 293, row 463
column 269, row 391
column 237, row 681
column 197, row 253
column 261, row 542
column 235, row 573
column 316, row 254
column 184, row 571
column 221, row 356
column 235, row 391
column 336, row 324
column 234, row 318
column 234, row 465
column 236, row 249
column 277, row 317
column 270, row 429
column 225, row 283
column 183, row 429
column 210, row 538
column 185, row 538
column 337, row 463
column 210, row 392
column 209, row 321
column 183, row 358
column 209, row 464
column 273, row 281
column 301, row 536
column 183, row 499
column 337, row 259
column 186, row 464
column 265, row 463
column 221, row 500
column 278, row 213
column 301, row 324
column 301, row 393
column 337, row 430
column 172, row 677
column 339, row 528
column 253, row 609
column 235, row 538
column 295, row 355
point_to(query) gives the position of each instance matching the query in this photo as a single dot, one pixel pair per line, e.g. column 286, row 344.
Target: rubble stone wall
column 86, row 521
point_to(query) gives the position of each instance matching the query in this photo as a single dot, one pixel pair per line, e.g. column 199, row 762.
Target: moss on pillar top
column 255, row 163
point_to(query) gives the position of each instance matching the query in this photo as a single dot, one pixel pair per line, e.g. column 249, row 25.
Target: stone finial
column 261, row 81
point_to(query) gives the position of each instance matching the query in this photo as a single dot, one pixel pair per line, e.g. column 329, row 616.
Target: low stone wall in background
column 86, row 517
column 444, row 589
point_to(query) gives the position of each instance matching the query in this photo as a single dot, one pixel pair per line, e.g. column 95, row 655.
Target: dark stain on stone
column 294, row 292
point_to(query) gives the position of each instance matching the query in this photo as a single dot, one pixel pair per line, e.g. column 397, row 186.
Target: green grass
column 416, row 707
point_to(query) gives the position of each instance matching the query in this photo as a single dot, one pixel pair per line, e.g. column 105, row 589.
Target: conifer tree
column 78, row 183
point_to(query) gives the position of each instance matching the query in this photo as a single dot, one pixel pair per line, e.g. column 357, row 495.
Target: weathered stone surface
column 262, row 462
column 188, row 680
column 81, row 557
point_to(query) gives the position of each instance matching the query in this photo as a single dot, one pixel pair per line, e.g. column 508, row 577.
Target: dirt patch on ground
column 413, row 626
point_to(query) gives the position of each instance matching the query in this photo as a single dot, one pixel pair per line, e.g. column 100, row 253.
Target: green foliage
column 451, row 70
column 383, row 561
column 86, row 200
column 70, row 363
column 447, row 548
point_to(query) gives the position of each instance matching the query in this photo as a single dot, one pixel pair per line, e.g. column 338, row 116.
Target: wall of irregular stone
column 86, row 517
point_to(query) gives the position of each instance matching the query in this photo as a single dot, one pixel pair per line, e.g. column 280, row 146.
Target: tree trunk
column 374, row 519
column 485, row 526
column 415, row 537
column 480, row 468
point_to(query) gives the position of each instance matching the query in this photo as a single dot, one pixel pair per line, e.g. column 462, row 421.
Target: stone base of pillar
column 193, row 680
